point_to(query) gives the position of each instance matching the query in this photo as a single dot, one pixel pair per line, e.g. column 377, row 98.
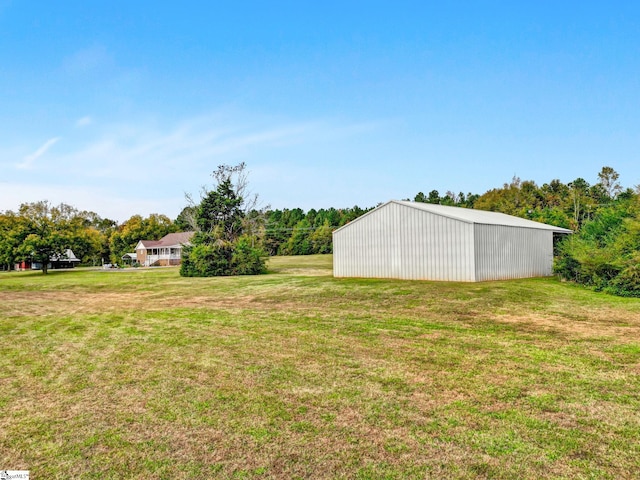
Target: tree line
column 294, row 232
column 603, row 252
column 567, row 205
column 41, row 230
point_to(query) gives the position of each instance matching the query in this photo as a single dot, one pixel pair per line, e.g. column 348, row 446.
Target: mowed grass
column 296, row 374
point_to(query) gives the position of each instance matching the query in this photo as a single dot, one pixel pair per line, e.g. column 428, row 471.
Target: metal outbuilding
column 423, row 241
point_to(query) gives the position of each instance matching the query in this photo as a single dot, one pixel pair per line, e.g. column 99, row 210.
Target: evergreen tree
column 225, row 243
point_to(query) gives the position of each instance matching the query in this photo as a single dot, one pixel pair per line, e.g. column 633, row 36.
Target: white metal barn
column 422, row 241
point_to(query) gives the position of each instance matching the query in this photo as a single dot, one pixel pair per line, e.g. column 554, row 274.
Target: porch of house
column 161, row 257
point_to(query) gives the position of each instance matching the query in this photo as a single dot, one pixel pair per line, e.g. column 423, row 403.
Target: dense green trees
column 186, row 219
column 226, row 242
column 40, row 231
column 93, row 245
column 13, row 231
column 294, row 232
column 605, row 252
column 449, row 198
column 564, row 205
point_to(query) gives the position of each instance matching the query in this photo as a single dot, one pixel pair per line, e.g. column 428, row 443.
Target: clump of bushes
column 219, row 257
column 605, row 253
column 227, row 241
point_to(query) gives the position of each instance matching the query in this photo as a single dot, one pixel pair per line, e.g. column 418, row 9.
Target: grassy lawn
column 295, row 374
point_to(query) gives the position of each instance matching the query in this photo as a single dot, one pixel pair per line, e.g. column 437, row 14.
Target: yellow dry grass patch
column 599, row 324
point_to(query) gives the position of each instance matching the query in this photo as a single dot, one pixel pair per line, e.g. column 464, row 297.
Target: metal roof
column 469, row 215
column 68, row 256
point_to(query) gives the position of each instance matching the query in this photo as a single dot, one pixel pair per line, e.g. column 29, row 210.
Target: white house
column 422, row 241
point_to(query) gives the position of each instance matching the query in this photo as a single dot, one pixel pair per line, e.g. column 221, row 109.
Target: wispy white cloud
column 136, row 166
column 27, row 162
column 84, row 121
column 191, row 145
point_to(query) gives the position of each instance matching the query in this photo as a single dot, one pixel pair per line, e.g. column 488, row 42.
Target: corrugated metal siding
column 511, row 252
column 395, row 241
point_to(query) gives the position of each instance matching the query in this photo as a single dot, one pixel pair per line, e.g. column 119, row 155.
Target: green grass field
column 295, row 374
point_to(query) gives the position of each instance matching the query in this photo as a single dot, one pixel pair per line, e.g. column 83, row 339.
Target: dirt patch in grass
column 47, row 303
column 601, row 324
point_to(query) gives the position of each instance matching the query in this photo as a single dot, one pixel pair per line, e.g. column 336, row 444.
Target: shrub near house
column 224, row 245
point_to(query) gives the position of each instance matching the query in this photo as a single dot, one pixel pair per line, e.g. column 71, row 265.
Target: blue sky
column 121, row 107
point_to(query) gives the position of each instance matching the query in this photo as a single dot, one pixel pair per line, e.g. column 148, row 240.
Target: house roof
column 68, row 256
column 469, row 215
column 169, row 240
